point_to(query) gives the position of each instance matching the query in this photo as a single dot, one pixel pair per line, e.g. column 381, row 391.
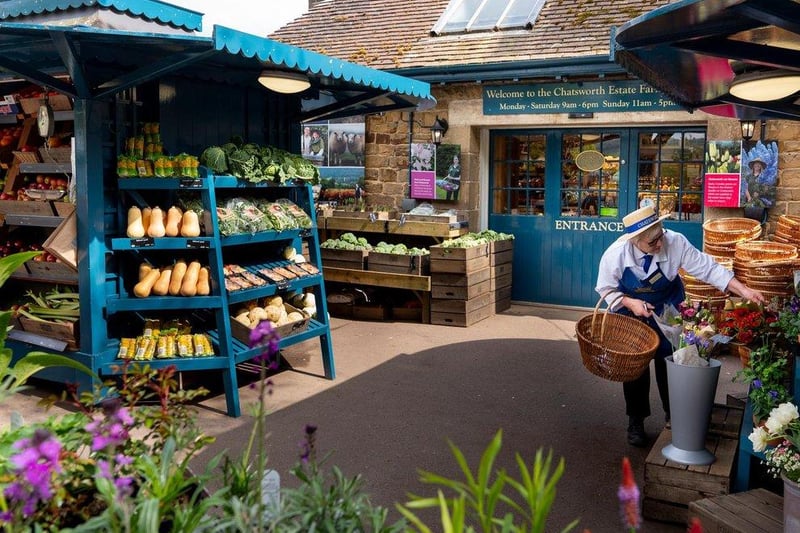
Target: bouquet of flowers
column 783, row 424
column 692, row 331
column 766, row 375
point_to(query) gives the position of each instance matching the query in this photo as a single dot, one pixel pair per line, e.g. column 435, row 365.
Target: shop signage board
column 582, row 97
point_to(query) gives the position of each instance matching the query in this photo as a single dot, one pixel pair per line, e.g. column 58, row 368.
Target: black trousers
column 637, row 392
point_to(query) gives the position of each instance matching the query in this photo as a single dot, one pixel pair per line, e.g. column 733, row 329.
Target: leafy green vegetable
column 214, row 158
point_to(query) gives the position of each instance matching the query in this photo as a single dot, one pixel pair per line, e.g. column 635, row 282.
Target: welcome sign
column 580, row 97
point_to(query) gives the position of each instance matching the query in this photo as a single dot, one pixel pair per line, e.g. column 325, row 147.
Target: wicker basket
column 731, row 230
column 720, row 250
column 764, row 251
column 616, row 347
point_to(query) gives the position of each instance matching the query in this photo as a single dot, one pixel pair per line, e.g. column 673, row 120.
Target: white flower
column 759, row 438
column 781, row 416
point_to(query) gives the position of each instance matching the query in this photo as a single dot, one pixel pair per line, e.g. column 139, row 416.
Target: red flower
column 629, row 497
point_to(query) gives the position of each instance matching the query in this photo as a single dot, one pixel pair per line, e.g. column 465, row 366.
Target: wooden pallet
column 742, row 512
column 670, row 487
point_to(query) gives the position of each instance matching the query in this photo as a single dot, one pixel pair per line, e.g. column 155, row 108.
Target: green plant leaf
column 10, row 263
column 34, row 362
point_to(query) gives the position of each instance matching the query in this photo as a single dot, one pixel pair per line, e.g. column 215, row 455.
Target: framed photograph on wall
column 448, row 172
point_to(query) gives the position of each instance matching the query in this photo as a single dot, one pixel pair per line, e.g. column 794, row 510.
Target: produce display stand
column 116, row 79
column 394, row 230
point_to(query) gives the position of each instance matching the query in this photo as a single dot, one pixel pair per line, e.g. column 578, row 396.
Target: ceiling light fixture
column 284, row 82
column 765, row 86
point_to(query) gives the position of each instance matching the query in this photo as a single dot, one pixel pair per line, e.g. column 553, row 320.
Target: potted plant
column 783, row 459
column 788, row 321
column 766, row 376
column 748, row 325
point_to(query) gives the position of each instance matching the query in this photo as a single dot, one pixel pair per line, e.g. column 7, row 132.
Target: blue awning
column 101, row 62
column 161, row 12
column 692, row 50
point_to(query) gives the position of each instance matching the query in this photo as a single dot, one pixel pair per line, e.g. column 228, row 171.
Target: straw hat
column 639, row 221
column 757, row 160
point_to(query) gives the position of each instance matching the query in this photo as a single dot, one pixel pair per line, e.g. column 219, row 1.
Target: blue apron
column 656, row 290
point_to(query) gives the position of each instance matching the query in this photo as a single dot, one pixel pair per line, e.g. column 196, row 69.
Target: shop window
column 671, row 173
column 518, row 173
column 590, row 189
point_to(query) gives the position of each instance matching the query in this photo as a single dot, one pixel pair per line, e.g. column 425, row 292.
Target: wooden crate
column 500, row 282
column 501, row 269
column 501, row 299
column 66, row 331
column 742, row 512
column 461, row 306
column 448, row 292
column 242, row 332
column 415, row 265
column 364, row 311
column 407, row 314
column 28, row 207
column 459, row 260
column 670, row 487
column 502, row 252
column 461, row 319
column 354, row 259
column 366, row 215
column 52, row 271
column 442, row 279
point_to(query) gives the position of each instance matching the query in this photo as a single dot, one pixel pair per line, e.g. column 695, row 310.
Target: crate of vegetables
column 348, row 251
column 399, row 259
column 286, row 319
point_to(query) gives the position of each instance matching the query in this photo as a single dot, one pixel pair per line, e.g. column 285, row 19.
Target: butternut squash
column 135, row 228
column 203, row 285
column 156, row 227
column 146, row 212
column 189, row 285
column 144, row 268
column 144, row 287
column 161, row 286
column 173, row 226
column 190, row 226
column 178, row 271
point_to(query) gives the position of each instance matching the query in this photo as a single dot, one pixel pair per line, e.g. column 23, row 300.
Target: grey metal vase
column 691, row 399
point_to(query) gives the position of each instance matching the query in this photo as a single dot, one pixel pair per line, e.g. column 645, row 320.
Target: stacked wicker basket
column 787, row 230
column 767, row 266
column 720, row 238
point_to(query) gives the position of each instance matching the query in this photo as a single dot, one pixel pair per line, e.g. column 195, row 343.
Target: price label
column 143, row 242
column 283, row 285
column 197, row 244
column 305, row 233
column 190, row 183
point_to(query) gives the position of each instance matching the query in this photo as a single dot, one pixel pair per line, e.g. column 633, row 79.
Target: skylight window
column 477, row 15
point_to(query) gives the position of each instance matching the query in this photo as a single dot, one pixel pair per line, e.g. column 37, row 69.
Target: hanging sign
column 583, row 97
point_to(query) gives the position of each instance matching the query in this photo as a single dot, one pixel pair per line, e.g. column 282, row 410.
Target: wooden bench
column 757, row 510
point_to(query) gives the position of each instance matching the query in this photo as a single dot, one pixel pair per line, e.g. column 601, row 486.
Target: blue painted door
column 563, row 193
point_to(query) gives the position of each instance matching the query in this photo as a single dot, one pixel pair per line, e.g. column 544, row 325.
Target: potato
column 295, row 316
column 274, row 312
column 275, row 300
column 257, row 314
column 243, row 319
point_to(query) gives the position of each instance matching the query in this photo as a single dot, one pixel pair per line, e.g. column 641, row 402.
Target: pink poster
column 722, row 190
column 423, row 184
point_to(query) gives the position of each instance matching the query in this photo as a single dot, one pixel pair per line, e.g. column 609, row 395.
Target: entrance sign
column 595, row 97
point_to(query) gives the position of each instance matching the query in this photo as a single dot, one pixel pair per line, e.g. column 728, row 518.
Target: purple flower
column 757, row 383
column 264, row 335
column 307, row 445
column 35, row 464
column 110, row 431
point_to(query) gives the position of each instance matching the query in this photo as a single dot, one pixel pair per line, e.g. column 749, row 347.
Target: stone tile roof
column 395, row 34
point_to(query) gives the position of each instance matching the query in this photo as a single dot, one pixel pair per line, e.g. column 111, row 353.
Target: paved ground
column 403, row 390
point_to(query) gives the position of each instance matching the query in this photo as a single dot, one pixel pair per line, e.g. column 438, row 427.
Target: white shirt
column 676, row 253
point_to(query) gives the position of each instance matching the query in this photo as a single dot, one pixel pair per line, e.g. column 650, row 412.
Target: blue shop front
column 584, row 155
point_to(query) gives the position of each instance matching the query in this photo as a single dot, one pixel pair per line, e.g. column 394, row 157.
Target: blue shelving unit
column 212, row 248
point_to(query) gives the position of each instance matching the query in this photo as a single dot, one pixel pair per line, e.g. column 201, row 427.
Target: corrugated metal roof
column 161, row 12
column 395, row 34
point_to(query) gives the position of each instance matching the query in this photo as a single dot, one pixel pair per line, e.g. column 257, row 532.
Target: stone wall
column 787, row 135
column 388, row 138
